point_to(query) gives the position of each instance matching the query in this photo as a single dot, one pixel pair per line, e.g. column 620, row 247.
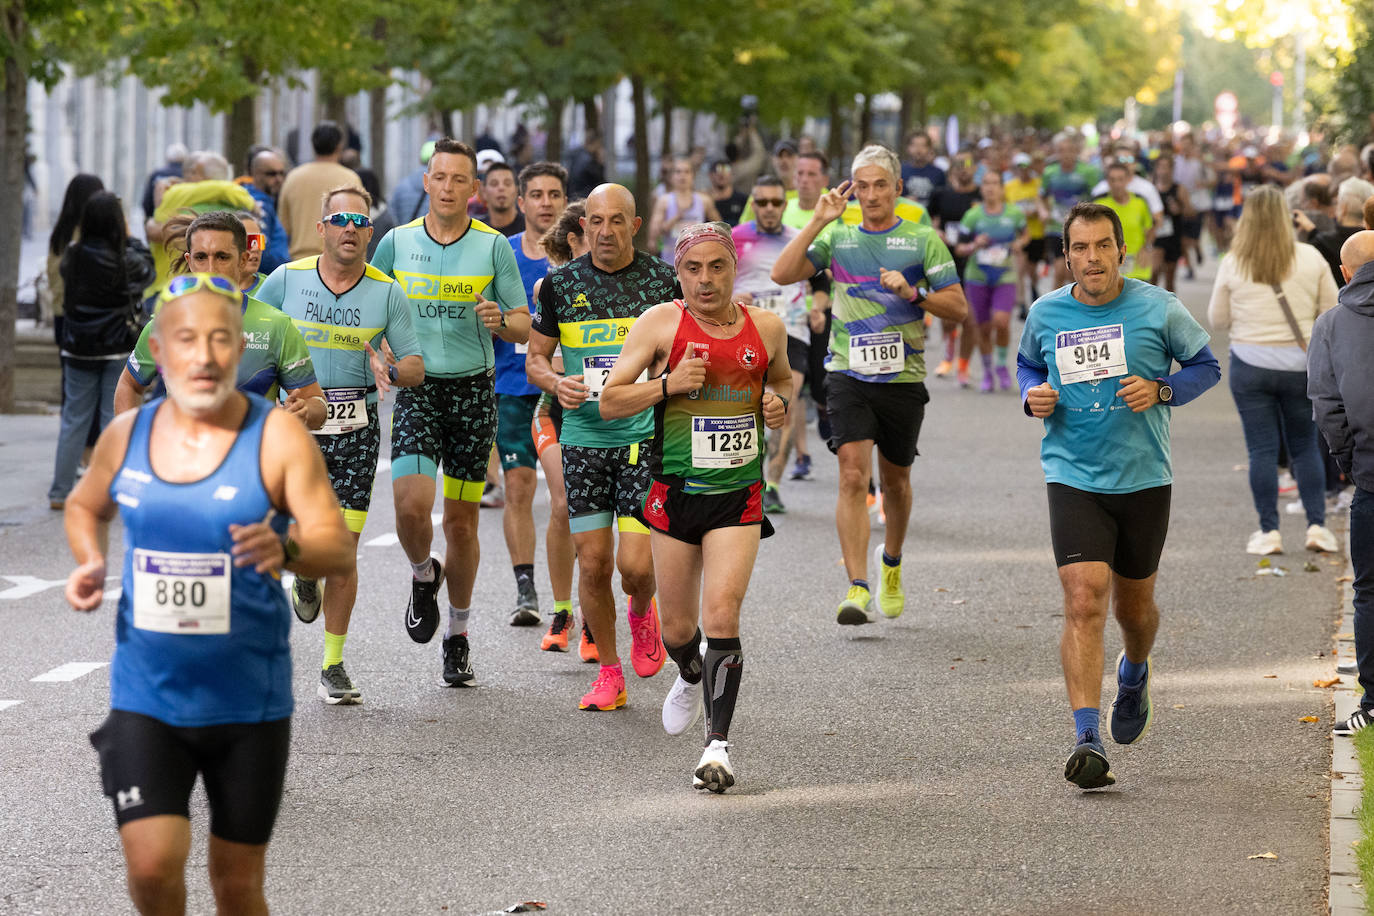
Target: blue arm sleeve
column 1028, row 375
column 1197, row 373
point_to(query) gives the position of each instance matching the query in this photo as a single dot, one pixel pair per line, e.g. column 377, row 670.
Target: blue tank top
column 197, row 641
column 510, row 358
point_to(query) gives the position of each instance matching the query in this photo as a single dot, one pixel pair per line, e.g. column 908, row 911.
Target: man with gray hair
column 888, row 273
column 1341, row 387
column 1350, row 200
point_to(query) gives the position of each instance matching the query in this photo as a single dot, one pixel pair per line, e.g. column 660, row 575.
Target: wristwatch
column 1166, row 394
column 392, row 374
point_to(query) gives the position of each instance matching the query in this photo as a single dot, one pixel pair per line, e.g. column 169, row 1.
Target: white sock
column 458, row 620
column 423, row 571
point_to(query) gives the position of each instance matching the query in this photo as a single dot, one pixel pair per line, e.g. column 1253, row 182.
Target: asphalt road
column 908, row 766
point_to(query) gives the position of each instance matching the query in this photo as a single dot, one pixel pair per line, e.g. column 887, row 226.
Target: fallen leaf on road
column 1178, row 706
column 1309, row 719
column 1345, row 578
column 1263, row 563
column 1271, row 675
column 941, row 588
column 1263, row 855
column 957, row 659
column 957, row 601
column 1309, row 566
column 1326, row 682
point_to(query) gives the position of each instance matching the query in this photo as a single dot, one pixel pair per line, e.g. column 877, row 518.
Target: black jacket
column 1340, row 377
column 102, row 296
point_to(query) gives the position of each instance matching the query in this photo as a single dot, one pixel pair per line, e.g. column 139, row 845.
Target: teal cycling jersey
column 442, row 283
column 336, row 327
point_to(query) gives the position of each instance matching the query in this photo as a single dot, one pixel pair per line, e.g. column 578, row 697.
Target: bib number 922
column 342, row 412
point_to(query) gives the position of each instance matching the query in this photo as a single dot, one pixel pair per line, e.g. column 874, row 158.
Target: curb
column 1345, row 891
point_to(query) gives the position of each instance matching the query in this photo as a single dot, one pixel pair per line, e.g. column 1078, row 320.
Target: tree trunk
column 242, row 130
column 665, row 146
column 591, row 114
column 904, row 117
column 553, row 129
column 866, row 120
column 446, row 122
column 334, row 105
column 834, row 147
column 376, row 103
column 641, row 135
column 15, row 120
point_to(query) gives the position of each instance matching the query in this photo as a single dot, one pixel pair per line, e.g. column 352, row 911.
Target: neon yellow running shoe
column 856, row 608
column 891, row 598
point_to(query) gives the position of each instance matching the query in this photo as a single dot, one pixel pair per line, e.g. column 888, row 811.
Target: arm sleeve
column 546, row 313
column 1327, row 403
column 509, row 288
column 400, row 330
column 820, row 283
column 294, row 367
column 1196, row 374
column 384, row 258
column 1031, row 369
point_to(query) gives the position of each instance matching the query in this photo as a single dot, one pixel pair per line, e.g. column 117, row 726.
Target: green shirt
column 274, row 353
column 442, row 283
column 336, row 327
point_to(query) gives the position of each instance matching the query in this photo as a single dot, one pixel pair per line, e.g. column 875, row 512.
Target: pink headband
column 698, row 233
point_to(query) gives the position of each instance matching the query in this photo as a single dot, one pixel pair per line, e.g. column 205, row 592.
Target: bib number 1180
column 884, row 353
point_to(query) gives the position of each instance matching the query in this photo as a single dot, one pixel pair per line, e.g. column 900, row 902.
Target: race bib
column 877, row 354
column 773, row 300
column 993, row 256
column 1166, row 227
column 345, row 411
column 724, row 442
column 595, row 371
column 1028, row 207
column 952, row 231
column 184, row 593
column 522, row 348
column 1091, row 354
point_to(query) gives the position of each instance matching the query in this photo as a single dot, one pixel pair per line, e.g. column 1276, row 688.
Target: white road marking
column 68, row 672
column 384, row 466
column 27, row 586
column 6, row 704
column 383, row 540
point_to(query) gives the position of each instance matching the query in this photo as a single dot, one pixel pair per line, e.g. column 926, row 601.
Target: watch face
column 1166, row 393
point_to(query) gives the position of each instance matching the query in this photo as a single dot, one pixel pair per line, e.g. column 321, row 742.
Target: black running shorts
column 1124, row 530
column 607, row 484
column 688, row 517
column 888, row 413
column 798, row 356
column 148, row 768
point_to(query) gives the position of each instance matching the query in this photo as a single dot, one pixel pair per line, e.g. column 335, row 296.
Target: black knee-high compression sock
column 688, row 658
column 722, row 667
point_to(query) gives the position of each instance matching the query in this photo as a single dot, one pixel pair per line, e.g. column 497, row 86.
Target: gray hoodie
column 1340, row 377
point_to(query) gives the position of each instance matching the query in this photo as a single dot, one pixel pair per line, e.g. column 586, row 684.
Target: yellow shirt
column 1024, row 194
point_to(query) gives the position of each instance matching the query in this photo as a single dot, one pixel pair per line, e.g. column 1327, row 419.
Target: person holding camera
column 103, row 273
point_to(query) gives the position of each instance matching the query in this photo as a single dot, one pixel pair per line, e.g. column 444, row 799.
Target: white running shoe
column 1263, row 543
column 681, row 707
column 713, row 771
column 1319, row 537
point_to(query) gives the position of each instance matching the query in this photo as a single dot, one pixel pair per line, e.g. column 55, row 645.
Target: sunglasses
column 257, row 241
column 275, row 173
column 769, row 202
column 185, row 284
column 361, row 220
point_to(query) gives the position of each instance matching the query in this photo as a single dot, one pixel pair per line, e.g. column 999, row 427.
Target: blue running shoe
column 1087, row 767
column 802, row 469
column 1132, row 710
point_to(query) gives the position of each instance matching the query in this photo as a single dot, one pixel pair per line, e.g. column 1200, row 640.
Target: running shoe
column 1087, row 766
column 1132, row 711
column 305, row 599
column 856, row 608
column 986, row 385
column 944, row 368
column 681, row 707
column 526, row 613
column 422, row 613
column 587, row 648
column 556, row 640
column 802, row 469
column 607, row 693
column 1003, row 378
column 493, row 496
column 713, row 770
column 646, row 651
column 458, row 661
column 1320, row 538
column 891, row 598
column 1263, row 543
column 1360, row 718
column 772, row 502
column 823, row 427
column 964, row 379
column 336, row 689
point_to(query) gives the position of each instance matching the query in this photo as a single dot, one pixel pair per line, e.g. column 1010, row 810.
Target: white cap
column 1021, row 159
column 485, row 158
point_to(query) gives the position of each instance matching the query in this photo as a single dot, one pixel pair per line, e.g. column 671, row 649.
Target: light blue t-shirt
column 1093, row 441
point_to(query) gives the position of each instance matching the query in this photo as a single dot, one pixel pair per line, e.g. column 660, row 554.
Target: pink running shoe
column 646, row 654
column 608, row 690
column 1003, row 378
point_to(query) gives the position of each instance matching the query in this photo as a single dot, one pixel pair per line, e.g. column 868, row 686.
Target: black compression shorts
column 1124, row 530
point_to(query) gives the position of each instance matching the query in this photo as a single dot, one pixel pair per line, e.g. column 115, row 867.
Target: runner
column 446, row 262
column 1109, row 507
column 1137, row 225
column 680, row 205
column 1023, row 191
column 996, row 235
column 710, row 358
column 543, row 194
column 200, row 682
column 876, row 393
column 758, row 243
column 274, row 355
column 561, row 244
column 342, row 307
column 1066, row 181
column 948, row 205
column 811, row 175
column 1168, row 241
column 588, row 306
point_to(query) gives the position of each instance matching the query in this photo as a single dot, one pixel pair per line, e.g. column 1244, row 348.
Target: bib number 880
column 179, row 594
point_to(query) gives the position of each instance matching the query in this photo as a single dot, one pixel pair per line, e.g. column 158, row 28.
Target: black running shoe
column 422, row 613
column 1087, row 766
column 457, row 661
column 526, row 612
column 1359, row 719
